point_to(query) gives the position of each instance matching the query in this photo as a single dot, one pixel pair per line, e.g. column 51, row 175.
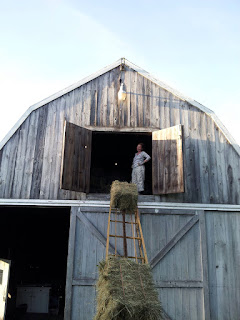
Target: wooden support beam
column 132, row 257
column 165, row 315
column 127, row 237
column 122, row 222
column 84, row 282
column 179, row 284
column 94, row 230
column 124, row 235
column 173, row 241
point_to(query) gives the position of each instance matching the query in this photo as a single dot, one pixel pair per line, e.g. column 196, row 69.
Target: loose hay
column 125, row 290
column 124, row 196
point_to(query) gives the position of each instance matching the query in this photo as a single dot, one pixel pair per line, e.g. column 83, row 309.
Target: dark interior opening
column 112, row 156
column 36, row 242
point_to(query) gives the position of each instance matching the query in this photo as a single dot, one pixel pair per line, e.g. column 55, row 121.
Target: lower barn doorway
column 111, row 159
column 36, row 242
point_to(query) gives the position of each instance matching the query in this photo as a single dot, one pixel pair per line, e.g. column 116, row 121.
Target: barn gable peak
column 145, row 74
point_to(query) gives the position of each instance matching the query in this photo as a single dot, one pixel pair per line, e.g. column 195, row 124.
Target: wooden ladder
column 126, row 226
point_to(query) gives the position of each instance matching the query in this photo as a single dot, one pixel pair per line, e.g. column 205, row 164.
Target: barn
column 56, row 167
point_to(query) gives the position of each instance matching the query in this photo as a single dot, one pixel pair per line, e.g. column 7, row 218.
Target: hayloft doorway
column 93, row 159
column 111, row 159
column 35, row 240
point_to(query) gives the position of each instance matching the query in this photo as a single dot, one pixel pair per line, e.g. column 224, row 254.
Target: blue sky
column 48, row 45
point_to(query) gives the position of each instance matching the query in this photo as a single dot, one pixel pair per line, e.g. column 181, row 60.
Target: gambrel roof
column 142, row 72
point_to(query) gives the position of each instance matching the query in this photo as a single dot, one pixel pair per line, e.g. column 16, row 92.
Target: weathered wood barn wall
column 30, row 161
column 192, row 237
column 194, row 255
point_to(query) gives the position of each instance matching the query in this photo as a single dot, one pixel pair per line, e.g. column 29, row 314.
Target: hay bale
column 124, row 196
column 125, row 290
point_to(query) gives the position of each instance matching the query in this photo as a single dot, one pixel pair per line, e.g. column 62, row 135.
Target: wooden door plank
column 167, row 161
column 70, row 259
column 66, row 178
column 172, row 242
column 75, row 171
column 204, row 264
column 94, row 230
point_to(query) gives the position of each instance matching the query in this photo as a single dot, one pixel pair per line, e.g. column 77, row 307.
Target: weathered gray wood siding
column 178, row 274
column 30, row 161
column 194, row 255
column 223, row 245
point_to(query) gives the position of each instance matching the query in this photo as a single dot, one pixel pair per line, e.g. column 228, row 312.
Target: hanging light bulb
column 122, row 94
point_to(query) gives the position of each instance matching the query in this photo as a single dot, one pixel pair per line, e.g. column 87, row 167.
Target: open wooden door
column 167, row 161
column 76, row 160
column 4, row 279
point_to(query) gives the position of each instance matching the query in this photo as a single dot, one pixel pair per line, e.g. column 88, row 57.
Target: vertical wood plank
column 116, row 87
column 70, row 259
column 167, row 163
column 38, row 155
column 203, row 160
column 219, row 232
column 111, row 98
column 122, row 105
column 77, row 158
column 213, row 175
column 29, row 156
column 19, row 167
column 222, row 176
column 175, row 111
column 233, row 174
column 87, row 104
column 9, row 156
column 194, row 155
column 155, row 110
column 204, row 258
column 104, row 83
column 127, row 106
column 140, row 100
column 93, row 105
column 148, row 106
column 58, row 143
column 79, row 106
column 48, row 154
column 166, row 102
column 49, row 183
column 133, row 98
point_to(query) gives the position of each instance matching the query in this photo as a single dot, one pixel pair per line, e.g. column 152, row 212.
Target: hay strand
column 125, row 290
column 124, row 196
